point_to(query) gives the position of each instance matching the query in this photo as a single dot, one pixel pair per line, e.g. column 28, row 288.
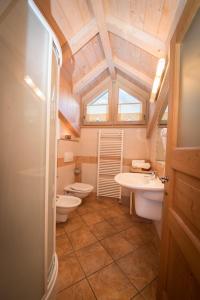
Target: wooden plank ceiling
column 108, row 37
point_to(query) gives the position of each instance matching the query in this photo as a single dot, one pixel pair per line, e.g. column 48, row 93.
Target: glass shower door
column 24, row 69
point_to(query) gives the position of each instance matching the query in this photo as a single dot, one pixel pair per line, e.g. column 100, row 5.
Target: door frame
column 174, row 154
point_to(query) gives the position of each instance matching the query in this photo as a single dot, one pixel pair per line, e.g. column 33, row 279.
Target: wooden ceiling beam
column 144, row 94
column 98, row 11
column 89, row 77
column 83, row 36
column 137, row 37
column 133, row 73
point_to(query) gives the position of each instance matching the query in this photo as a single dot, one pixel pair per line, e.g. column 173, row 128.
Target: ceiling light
column 160, row 67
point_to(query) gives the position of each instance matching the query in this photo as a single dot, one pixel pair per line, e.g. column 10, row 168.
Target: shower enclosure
column 30, row 58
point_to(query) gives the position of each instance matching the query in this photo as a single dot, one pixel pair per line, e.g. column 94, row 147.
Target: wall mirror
column 161, row 134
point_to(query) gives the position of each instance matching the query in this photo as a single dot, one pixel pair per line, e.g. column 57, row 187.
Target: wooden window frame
column 130, row 91
column 113, row 100
column 89, row 98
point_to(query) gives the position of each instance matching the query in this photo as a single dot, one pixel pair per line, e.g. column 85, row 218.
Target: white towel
column 137, row 161
column 141, row 165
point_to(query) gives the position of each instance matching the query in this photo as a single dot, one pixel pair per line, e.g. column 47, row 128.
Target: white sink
column 148, row 193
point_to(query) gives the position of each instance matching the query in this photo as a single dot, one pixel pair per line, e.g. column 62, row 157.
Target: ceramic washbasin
column 148, row 193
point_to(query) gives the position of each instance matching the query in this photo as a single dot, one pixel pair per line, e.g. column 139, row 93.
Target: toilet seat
column 79, row 187
column 64, row 201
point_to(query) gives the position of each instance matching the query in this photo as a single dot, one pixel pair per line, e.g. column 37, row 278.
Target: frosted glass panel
column 24, row 50
column 189, row 115
column 52, row 160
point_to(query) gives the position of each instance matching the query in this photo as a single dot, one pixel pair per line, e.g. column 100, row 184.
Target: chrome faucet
column 154, row 175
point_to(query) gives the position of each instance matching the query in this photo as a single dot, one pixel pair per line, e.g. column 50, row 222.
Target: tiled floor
column 104, row 254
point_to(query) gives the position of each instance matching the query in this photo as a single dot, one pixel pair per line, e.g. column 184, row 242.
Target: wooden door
column 179, row 277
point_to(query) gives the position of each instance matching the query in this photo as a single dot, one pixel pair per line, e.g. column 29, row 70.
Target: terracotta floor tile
column 117, row 246
column 141, row 266
column 84, row 209
column 60, row 229
column 73, row 224
column 121, row 222
column 110, row 283
column 79, row 291
column 93, row 258
column 63, row 245
column 69, row 271
column 149, row 292
column 138, row 297
column 92, row 218
column 102, row 230
column 108, row 213
column 81, row 238
column 138, row 234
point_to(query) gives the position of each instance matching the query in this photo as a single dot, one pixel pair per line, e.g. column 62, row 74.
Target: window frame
column 113, row 100
column 130, row 91
column 91, row 97
column 163, row 123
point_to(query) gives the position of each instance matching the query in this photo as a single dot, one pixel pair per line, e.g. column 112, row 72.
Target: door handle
column 164, row 179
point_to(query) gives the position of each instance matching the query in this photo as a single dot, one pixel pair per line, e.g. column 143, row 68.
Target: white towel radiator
column 110, row 161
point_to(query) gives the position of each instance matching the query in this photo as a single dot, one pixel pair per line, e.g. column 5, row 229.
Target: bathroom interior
column 100, row 149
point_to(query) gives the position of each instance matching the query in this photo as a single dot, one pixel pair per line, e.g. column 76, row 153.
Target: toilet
column 78, row 189
column 64, row 205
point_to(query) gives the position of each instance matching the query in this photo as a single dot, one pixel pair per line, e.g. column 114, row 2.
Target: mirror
column 161, row 134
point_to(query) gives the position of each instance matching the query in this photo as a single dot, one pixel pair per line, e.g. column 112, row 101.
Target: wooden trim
column 68, row 125
column 137, row 37
column 162, row 100
column 138, row 90
column 83, row 36
column 98, row 10
column 133, row 73
column 181, row 155
column 188, row 242
column 113, row 87
column 61, row 163
column 78, row 160
column 45, row 8
column 89, row 77
column 115, row 126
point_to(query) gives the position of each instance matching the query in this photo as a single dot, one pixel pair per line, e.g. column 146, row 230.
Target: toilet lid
column 79, row 187
column 67, row 201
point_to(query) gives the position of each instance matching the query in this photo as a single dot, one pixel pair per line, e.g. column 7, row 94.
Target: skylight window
column 129, row 107
column 97, row 110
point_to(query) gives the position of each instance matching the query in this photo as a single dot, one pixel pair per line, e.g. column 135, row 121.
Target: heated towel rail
column 110, row 160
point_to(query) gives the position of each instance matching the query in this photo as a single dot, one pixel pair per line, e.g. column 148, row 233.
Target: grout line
column 114, row 261
column 70, row 285
column 91, row 288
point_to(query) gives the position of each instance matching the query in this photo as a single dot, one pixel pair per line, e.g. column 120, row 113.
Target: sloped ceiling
column 107, row 37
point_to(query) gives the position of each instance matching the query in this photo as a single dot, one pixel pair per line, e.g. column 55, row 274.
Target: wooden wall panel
column 71, row 15
column 133, row 56
column 69, row 106
column 151, row 16
column 87, row 58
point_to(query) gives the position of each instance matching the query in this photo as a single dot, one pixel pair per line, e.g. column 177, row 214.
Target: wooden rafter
column 161, row 100
column 136, row 37
column 133, row 73
column 92, row 75
column 98, row 10
column 83, row 36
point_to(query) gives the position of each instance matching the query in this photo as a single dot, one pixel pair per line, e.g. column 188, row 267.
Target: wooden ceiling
column 108, row 37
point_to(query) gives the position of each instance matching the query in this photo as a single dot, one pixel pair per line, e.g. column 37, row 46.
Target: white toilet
column 64, row 205
column 79, row 189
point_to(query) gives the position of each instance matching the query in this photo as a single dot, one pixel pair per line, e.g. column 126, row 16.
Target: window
column 129, row 108
column 164, row 117
column 98, row 109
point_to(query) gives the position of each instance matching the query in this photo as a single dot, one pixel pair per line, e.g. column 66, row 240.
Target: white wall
column 65, row 174
column 136, row 146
